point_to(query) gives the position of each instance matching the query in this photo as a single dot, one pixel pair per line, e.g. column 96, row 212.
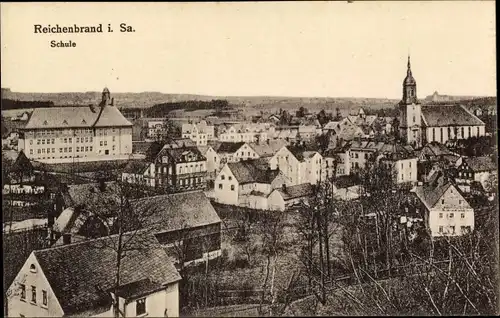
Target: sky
column 310, row 49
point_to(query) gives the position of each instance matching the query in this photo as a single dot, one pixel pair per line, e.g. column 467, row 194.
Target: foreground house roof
column 172, row 212
column 82, row 274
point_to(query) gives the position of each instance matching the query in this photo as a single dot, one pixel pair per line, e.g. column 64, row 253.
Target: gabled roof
column 136, row 167
column 22, row 163
column 449, row 115
column 296, row 191
column 431, row 192
column 301, row 153
column 172, row 212
column 76, row 117
column 480, row 164
column 250, row 171
column 181, row 154
column 228, row 147
column 82, row 274
column 269, row 148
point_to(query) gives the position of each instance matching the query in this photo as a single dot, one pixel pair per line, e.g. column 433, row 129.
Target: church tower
column 410, row 111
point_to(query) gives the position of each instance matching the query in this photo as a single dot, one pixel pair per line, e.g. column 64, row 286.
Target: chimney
column 283, row 187
column 66, row 238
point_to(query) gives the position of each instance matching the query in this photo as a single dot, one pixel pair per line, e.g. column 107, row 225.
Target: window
column 60, row 150
column 462, row 132
column 23, row 291
column 451, row 215
column 78, row 140
column 140, row 307
column 409, row 164
column 230, row 178
column 31, row 141
column 31, row 151
column 43, row 141
column 462, row 215
column 44, row 297
column 452, row 228
column 38, row 141
column 90, row 139
column 442, row 201
column 90, row 148
column 33, row 294
column 232, row 187
column 113, row 138
column 220, row 186
column 470, row 133
column 33, row 268
column 433, row 134
column 105, row 142
column 414, row 119
column 222, row 177
column 77, row 149
column 460, row 202
column 113, row 147
column 100, row 143
column 440, row 215
column 65, row 140
column 440, row 229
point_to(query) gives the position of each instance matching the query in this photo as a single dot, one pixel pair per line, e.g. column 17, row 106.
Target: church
column 421, row 124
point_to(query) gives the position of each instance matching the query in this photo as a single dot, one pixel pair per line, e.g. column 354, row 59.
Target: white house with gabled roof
column 78, row 280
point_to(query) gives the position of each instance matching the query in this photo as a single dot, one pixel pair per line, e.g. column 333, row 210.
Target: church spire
column 408, row 71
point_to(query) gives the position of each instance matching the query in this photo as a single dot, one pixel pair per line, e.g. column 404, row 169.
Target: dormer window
column 45, row 122
column 33, row 268
column 65, row 122
column 83, row 121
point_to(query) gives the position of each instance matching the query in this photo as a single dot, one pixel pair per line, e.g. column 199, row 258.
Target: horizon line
column 240, row 96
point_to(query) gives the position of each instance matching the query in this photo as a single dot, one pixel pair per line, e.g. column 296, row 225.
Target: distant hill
column 148, row 99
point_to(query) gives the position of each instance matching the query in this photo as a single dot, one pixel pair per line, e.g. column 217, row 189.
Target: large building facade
column 77, row 134
column 419, row 124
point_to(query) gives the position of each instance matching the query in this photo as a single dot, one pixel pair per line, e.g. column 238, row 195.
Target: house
column 248, row 132
column 156, row 128
column 63, row 134
column 200, row 132
column 139, row 172
column 346, row 187
column 475, row 169
column 172, row 218
column 288, row 196
column 435, row 151
column 180, row 168
column 247, row 183
column 79, row 280
column 401, row 158
column 213, row 161
column 447, row 212
column 336, row 161
column 185, row 224
column 298, row 164
column 234, row 151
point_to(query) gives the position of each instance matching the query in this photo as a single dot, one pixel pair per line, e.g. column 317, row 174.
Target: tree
column 301, row 112
column 112, row 206
column 271, row 231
